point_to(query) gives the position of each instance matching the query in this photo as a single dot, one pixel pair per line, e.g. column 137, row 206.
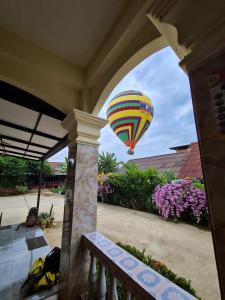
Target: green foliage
column 44, row 218
column 168, row 176
column 14, row 171
column 63, row 168
column 199, row 185
column 60, row 190
column 133, row 188
column 160, row 268
column 33, row 167
column 22, row 189
column 130, row 167
column 107, row 163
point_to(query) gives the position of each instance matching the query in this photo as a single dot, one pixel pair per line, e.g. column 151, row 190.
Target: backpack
column 44, row 274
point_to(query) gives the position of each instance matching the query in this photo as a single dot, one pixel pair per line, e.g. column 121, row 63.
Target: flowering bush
column 104, row 188
column 180, row 199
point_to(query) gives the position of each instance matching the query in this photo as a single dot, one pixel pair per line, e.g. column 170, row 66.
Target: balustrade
column 113, row 270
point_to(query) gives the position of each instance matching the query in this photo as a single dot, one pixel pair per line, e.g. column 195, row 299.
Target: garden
column 147, row 190
column 173, row 199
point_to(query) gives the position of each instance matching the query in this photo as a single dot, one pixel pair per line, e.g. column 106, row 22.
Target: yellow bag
column 38, row 279
column 47, row 279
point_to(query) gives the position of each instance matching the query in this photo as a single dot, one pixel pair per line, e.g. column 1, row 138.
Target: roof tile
column 183, row 164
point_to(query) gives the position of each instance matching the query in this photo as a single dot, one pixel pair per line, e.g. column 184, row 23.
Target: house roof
column 56, row 168
column 184, row 163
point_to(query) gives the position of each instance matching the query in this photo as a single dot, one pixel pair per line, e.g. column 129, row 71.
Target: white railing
column 138, row 280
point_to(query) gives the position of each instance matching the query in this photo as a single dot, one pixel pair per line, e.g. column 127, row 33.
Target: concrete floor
column 186, row 249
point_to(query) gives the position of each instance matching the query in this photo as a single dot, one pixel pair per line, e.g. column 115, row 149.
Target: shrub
column 59, row 190
column 149, row 191
column 180, row 200
column 22, row 189
column 133, row 188
column 104, row 188
column 160, row 268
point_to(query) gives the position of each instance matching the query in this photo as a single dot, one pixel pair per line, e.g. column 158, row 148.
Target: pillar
column 80, row 210
column 40, row 181
column 207, row 81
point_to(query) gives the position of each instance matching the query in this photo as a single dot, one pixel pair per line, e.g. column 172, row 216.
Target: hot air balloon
column 130, row 114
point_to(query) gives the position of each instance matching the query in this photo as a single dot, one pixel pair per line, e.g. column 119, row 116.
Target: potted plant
column 42, row 223
column 43, row 219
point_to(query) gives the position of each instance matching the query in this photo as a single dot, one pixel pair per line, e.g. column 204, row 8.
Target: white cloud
column 159, row 77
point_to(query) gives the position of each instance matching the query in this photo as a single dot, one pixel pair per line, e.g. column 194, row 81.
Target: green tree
column 107, row 163
column 14, row 171
column 63, row 168
column 33, row 167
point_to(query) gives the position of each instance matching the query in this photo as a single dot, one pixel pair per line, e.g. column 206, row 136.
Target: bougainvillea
column 177, row 199
column 104, row 188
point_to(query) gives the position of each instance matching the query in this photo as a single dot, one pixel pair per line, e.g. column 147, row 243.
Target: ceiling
column 70, row 31
column 29, row 128
column 58, row 55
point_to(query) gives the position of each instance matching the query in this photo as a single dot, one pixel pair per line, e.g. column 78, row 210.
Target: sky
column 164, row 82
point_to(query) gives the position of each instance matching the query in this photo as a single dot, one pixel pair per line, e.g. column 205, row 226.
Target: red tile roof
column 192, row 166
column 56, row 168
column 185, row 163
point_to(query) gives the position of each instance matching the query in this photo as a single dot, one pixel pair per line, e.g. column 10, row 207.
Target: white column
column 80, row 210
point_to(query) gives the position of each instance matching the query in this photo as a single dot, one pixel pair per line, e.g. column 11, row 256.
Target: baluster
column 92, row 278
column 127, row 295
column 102, row 283
column 113, row 295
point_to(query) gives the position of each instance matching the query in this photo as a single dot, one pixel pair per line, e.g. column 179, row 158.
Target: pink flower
column 174, row 199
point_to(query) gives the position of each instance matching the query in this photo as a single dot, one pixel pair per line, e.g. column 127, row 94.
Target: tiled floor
column 16, row 260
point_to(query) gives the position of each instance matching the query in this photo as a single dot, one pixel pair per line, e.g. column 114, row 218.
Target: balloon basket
column 130, row 152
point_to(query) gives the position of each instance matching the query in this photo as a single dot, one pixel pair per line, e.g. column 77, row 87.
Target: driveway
column 186, row 249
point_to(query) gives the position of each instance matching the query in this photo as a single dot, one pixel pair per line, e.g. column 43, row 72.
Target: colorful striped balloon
column 130, row 114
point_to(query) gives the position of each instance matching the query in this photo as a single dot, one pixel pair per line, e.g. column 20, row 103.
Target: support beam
column 207, row 82
column 19, row 148
column 22, row 98
column 59, row 146
column 40, row 183
column 10, row 138
column 30, row 130
column 80, row 211
column 28, row 155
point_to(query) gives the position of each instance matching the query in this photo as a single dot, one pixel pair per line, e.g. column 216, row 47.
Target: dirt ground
column 186, row 249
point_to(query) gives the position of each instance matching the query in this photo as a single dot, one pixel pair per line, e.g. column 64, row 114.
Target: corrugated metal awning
column 29, row 127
